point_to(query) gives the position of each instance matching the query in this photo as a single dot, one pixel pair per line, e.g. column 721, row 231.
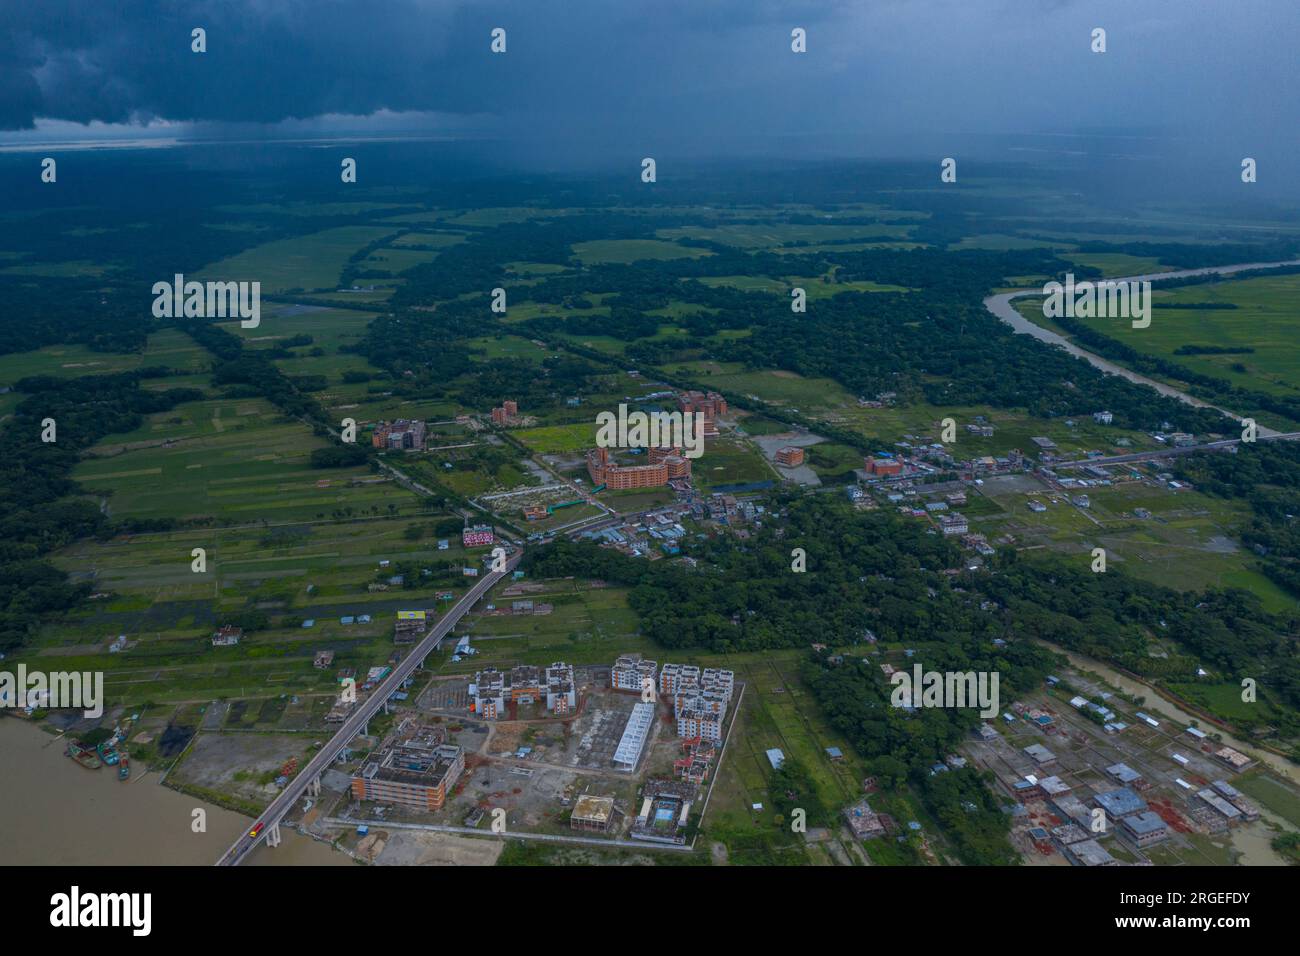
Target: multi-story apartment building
column 665, row 465
column 697, row 717
column 953, row 524
column 674, row 677
column 489, row 693
column 790, row 456
column 630, row 672
column 399, row 435
column 415, row 768
column 505, row 413
column 494, row 690
column 561, row 689
column 709, row 406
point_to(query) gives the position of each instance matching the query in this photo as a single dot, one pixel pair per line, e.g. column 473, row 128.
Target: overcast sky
column 587, row 78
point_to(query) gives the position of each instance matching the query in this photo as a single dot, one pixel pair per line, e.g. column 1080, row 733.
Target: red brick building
column 666, row 464
column 789, row 456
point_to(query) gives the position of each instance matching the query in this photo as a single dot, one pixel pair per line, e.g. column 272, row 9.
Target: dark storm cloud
column 880, row 77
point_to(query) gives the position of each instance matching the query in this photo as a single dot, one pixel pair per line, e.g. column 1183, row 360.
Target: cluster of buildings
column 664, row 465
column 708, row 406
column 414, row 768
column 477, row 536
column 400, row 435
column 655, row 531
column 1123, row 804
column 700, row 697
column 228, row 635
column 505, row 413
column 493, row 690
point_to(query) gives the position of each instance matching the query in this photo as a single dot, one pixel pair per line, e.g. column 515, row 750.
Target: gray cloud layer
column 888, row 77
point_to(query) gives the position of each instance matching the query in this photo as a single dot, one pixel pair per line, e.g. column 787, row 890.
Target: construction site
column 559, row 752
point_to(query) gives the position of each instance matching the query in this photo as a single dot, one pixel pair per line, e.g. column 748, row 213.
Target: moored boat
column 108, row 754
column 85, row 756
column 124, row 768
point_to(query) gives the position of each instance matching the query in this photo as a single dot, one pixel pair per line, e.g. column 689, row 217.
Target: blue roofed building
column 1120, row 803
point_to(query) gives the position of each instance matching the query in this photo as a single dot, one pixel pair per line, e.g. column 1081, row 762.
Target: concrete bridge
column 267, row 826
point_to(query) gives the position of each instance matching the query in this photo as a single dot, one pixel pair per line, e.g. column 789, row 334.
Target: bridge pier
column 273, row 835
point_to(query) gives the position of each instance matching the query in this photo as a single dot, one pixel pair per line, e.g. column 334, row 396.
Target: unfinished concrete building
column 414, row 768
column 630, row 672
column 561, row 689
column 592, row 813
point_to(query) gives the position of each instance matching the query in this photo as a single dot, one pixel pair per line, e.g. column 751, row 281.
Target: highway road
column 1170, row 452
column 357, row 720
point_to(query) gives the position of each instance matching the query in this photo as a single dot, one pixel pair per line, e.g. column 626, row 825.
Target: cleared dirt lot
column 426, row 848
column 235, row 763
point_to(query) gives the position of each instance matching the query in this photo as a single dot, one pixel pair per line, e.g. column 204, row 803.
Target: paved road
column 1169, row 452
column 1000, row 306
column 348, row 823
column 366, row 709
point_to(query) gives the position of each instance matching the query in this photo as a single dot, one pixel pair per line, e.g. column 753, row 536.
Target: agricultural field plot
column 368, row 292
column 1264, row 320
column 470, row 468
column 169, row 347
column 602, row 251
column 530, row 270
column 587, row 626
column 232, row 461
column 369, row 396
column 559, row 439
column 1114, row 264
column 491, row 216
column 317, row 571
column 1186, row 530
column 1002, row 241
column 394, row 259
column 777, row 712
column 777, row 387
column 64, row 361
column 635, row 500
column 776, row 234
column 309, row 209
column 186, row 667
column 819, row 287
column 312, row 262
column 509, row 346
column 1255, row 317
column 1012, row 428
column 727, row 461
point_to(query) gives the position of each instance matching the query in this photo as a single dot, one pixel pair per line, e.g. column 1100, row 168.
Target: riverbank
column 56, row 813
column 1001, row 307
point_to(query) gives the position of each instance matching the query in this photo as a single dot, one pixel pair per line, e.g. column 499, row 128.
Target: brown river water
column 54, row 812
